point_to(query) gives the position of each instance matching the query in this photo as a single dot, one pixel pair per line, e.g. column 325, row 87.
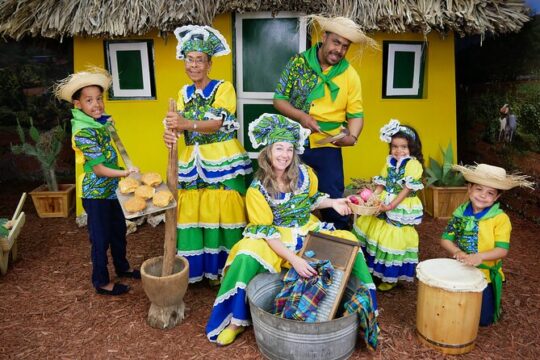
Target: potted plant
column 50, row 199
column 444, row 190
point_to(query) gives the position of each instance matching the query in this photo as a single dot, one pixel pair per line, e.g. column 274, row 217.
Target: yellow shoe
column 227, row 336
column 214, row 282
column 384, row 286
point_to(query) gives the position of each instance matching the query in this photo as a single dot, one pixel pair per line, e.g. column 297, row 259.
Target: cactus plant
column 45, row 149
column 442, row 174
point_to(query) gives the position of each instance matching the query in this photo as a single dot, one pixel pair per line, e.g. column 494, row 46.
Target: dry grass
column 50, row 18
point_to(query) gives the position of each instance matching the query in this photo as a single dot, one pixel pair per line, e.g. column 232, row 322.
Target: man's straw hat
column 492, row 176
column 64, row 89
column 344, row 27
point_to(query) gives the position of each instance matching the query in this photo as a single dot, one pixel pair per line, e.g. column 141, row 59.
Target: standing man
column 319, row 89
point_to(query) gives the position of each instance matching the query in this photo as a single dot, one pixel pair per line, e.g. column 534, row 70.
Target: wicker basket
column 363, row 210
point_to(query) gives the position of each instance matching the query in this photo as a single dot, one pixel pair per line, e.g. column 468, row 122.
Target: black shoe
column 134, row 274
column 118, row 289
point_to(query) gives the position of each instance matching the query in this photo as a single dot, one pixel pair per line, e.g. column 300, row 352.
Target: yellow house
column 410, row 78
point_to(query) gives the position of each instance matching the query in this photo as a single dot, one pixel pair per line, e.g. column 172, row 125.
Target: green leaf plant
column 45, row 147
column 442, row 174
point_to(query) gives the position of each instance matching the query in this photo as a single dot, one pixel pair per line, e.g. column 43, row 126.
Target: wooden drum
column 448, row 305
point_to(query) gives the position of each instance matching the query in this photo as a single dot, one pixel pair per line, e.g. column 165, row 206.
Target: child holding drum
column 389, row 240
column 478, row 234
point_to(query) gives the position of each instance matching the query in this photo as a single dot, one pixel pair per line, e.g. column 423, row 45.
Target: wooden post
column 169, row 246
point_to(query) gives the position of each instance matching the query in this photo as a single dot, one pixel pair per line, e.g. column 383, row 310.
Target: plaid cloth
column 360, row 303
column 300, row 297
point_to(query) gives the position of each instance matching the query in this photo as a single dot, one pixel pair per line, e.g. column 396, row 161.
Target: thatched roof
column 115, row 18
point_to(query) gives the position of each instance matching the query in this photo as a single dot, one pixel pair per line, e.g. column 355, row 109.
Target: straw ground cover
column 48, row 308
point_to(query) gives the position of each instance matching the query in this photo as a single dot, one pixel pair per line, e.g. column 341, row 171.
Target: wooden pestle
column 169, row 244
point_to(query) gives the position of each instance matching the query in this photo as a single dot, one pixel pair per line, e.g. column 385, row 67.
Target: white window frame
column 142, row 47
column 417, row 49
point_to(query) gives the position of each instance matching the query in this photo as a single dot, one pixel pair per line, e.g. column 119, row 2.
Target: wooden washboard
column 341, row 253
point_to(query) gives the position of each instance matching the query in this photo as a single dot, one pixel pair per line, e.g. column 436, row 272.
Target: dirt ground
column 49, row 310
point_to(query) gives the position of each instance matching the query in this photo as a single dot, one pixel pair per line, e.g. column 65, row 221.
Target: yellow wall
column 139, row 122
column 434, row 117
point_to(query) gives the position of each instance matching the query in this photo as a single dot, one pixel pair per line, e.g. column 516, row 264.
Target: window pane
column 130, row 69
column 267, row 46
column 404, row 69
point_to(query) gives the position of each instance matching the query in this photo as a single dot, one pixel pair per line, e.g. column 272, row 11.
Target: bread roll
column 162, row 198
column 144, row 191
column 151, row 179
column 128, row 185
column 135, row 204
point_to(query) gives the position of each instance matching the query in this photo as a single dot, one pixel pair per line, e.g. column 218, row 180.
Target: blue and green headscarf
column 268, row 129
column 204, row 39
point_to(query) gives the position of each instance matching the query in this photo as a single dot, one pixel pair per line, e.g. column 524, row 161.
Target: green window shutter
column 131, row 64
column 267, row 46
column 130, row 69
column 250, row 113
column 403, row 69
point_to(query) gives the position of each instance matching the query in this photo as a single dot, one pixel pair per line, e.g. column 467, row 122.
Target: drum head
column 450, row 275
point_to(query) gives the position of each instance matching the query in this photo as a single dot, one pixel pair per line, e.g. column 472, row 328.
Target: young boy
column 478, row 234
column 97, row 188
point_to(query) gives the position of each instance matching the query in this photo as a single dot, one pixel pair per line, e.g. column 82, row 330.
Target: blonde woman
column 279, row 204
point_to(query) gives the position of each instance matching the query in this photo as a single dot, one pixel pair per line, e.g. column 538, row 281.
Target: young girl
column 389, row 240
column 93, row 148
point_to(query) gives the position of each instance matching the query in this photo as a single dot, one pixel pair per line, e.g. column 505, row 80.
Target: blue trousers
column 107, row 228
column 328, row 165
column 488, row 306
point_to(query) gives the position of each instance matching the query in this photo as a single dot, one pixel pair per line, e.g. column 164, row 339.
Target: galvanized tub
column 279, row 338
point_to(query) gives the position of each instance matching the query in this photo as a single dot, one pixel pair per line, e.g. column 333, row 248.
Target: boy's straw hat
column 492, row 176
column 344, row 27
column 64, row 89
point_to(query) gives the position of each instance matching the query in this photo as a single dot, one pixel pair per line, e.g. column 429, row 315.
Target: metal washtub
column 279, row 338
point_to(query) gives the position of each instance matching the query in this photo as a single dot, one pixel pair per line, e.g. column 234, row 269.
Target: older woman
column 213, row 164
column 279, row 204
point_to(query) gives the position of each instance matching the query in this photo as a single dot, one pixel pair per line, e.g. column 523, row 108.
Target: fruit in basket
column 366, row 194
column 354, row 200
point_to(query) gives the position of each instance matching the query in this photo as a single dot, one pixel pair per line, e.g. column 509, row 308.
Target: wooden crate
column 440, row 202
column 54, row 203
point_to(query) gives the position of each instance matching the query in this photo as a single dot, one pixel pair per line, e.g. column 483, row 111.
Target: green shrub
column 45, row 148
column 442, row 174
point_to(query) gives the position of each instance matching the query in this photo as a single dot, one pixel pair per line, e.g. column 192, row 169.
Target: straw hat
column 65, row 88
column 342, row 26
column 492, row 176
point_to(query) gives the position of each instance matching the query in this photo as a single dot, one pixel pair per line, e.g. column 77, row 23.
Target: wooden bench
column 8, row 245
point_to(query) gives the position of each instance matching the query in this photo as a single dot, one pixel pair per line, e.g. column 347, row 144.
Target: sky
column 535, row 5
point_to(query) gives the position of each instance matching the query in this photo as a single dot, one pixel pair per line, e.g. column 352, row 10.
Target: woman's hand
column 169, row 137
column 341, row 207
column 302, row 267
column 173, row 121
